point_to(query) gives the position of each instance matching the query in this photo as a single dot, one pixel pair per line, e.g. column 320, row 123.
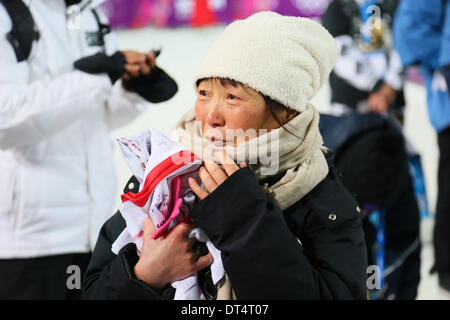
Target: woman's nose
column 215, row 117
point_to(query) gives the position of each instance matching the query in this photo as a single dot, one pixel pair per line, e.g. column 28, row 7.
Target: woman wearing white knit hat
column 272, row 202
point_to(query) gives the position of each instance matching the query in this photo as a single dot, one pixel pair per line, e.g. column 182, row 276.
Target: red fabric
column 158, row 173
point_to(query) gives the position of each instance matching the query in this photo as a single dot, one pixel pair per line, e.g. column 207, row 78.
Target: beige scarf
column 300, row 155
column 295, row 150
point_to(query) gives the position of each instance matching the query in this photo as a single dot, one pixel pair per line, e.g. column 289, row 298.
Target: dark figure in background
column 371, row 156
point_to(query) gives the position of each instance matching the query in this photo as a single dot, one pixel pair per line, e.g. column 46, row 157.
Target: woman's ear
column 289, row 114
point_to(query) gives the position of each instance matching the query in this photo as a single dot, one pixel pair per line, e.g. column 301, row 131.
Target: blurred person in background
column 368, row 75
column 422, row 37
column 57, row 176
column 371, row 153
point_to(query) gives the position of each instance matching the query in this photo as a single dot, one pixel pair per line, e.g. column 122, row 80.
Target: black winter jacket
column 314, row 249
column 340, row 133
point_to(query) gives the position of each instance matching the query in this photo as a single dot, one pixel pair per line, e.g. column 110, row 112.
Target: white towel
column 162, row 168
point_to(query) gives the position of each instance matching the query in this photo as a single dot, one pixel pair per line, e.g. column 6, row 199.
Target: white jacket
column 57, row 176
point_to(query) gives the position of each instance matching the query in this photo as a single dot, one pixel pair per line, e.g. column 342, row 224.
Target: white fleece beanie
column 285, row 58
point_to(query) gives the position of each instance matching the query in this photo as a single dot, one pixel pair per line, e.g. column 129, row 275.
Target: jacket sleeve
column 111, row 276
column 123, row 106
column 417, row 32
column 262, row 256
column 395, row 75
column 30, row 112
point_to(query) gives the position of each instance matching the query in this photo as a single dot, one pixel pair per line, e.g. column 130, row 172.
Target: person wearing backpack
column 64, row 85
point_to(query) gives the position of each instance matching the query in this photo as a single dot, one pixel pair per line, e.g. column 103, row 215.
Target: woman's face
column 230, row 115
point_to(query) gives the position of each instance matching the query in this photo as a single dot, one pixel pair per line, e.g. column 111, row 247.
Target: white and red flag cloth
column 162, row 168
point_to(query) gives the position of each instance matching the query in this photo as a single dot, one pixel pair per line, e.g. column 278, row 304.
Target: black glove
column 113, row 65
column 157, row 86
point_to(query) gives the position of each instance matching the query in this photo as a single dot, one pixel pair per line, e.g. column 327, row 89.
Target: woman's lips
column 218, row 142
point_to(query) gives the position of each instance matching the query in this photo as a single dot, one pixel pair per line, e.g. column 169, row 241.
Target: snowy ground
column 182, row 50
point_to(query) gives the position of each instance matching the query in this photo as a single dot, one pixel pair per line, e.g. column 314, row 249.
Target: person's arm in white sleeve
column 387, row 89
column 143, row 82
column 395, row 74
column 130, row 96
column 123, row 106
column 31, row 112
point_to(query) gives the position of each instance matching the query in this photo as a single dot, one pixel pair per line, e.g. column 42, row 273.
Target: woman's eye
column 203, row 93
column 232, row 97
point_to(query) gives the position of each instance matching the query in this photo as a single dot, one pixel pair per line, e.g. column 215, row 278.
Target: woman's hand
column 170, row 258
column 212, row 174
